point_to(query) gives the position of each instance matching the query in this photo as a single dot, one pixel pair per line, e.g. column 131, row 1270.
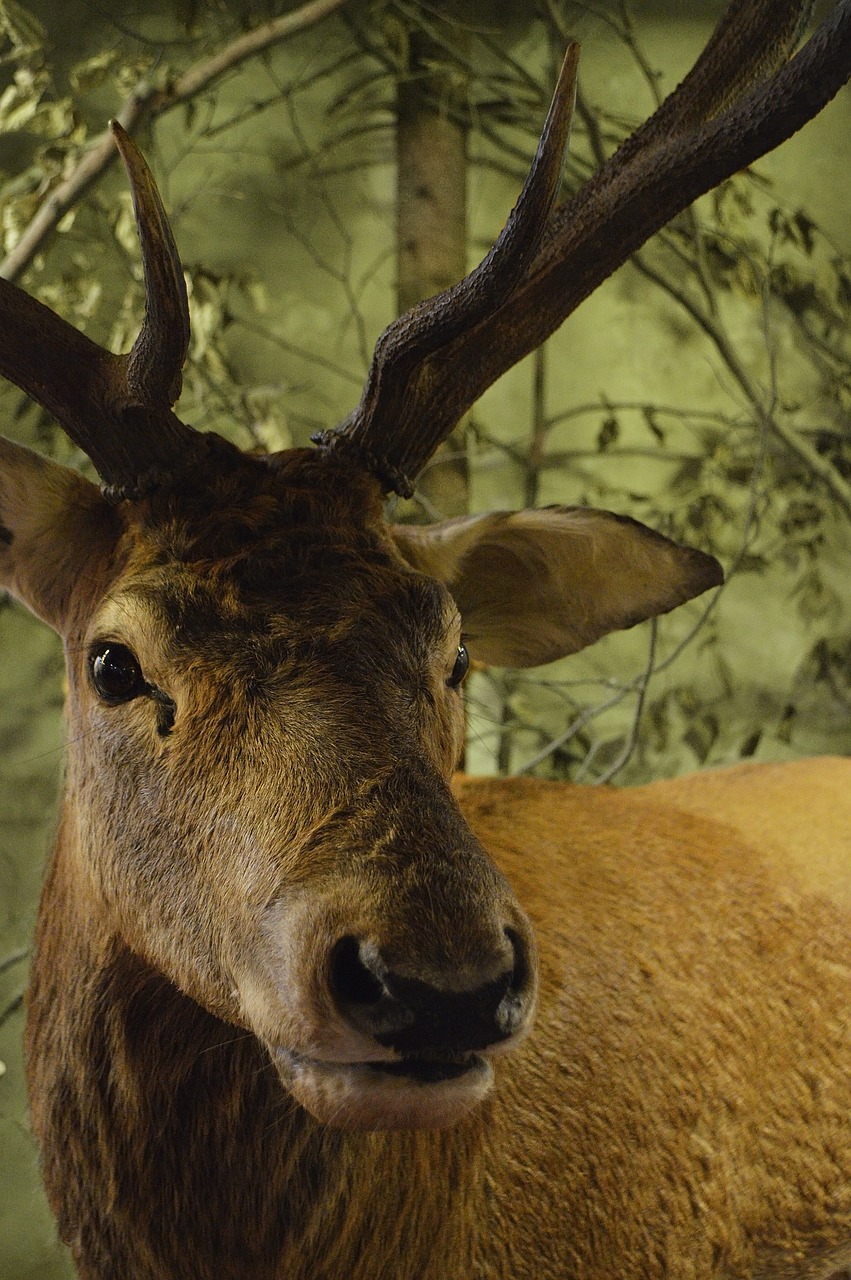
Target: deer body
column 282, row 1004
column 681, row 1109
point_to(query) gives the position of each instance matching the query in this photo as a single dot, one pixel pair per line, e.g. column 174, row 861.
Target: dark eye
column 459, row 671
column 116, row 674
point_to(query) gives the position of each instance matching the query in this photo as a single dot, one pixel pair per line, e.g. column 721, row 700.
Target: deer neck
column 155, row 1102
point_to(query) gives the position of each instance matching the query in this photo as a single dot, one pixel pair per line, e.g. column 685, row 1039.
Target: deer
column 303, row 1005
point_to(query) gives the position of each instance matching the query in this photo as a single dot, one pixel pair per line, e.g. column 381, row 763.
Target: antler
column 406, row 344
column 741, row 99
column 117, row 408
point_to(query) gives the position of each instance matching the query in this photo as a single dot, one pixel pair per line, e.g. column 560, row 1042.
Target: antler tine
column 714, row 124
column 60, row 368
column 155, row 362
column 116, row 408
column 405, row 345
column 752, row 39
column 626, row 203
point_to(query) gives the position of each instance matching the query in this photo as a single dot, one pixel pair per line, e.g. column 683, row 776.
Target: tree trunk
column 431, row 153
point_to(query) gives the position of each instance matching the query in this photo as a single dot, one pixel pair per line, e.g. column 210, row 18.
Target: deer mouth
column 427, row 1070
column 416, row 1092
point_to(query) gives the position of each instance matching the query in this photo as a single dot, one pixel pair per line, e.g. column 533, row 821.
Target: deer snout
column 381, row 1012
column 403, row 1012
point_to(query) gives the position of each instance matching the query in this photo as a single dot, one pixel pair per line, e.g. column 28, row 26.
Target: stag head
column 264, row 674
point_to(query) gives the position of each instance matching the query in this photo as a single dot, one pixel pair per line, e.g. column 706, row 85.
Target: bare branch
column 15, row 957
column 631, row 742
column 817, row 464
column 147, row 103
column 12, row 1007
column 540, row 426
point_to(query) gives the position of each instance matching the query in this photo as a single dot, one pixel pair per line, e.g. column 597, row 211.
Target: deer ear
column 54, row 525
column 533, row 586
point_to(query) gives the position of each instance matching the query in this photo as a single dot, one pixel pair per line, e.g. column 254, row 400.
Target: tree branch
column 15, row 957
column 818, row 465
column 146, row 102
column 12, row 1007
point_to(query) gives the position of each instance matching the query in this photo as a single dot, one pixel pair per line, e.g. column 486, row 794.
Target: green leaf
column 92, row 72
column 21, row 27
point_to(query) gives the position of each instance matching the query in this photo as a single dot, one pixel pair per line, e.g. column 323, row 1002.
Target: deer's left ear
column 533, row 586
column 54, row 527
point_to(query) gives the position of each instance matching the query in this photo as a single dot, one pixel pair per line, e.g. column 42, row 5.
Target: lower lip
column 426, row 1072
column 411, row 1093
column 421, row 1071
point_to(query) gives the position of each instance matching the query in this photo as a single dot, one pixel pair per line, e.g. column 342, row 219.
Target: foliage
column 743, row 303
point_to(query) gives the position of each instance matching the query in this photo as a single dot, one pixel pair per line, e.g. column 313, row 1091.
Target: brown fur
column 679, row 1109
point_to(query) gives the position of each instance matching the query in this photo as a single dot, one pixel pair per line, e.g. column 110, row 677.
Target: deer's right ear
column 53, row 524
column 533, row 586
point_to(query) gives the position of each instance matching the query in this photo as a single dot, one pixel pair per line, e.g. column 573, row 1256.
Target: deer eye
column 116, row 674
column 459, row 671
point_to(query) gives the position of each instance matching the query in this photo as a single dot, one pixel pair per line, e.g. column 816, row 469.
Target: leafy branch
column 146, row 103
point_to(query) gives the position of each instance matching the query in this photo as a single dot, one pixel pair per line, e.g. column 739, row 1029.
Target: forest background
column 326, row 166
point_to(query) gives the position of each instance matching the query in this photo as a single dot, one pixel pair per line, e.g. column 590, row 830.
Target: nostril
column 514, row 1007
column 521, row 975
column 411, row 1015
column 352, row 982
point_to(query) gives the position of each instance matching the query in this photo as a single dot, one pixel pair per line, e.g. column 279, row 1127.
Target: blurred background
column 364, row 157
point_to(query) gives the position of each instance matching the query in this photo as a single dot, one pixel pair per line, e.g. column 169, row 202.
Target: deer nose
column 410, row 1015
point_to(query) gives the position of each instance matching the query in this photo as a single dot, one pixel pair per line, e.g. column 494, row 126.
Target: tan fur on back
column 694, row 1038
column 798, row 814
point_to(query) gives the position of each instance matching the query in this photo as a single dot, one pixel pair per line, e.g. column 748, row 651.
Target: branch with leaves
column 147, row 103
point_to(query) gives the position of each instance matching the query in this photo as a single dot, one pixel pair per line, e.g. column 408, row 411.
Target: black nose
column 409, row 1015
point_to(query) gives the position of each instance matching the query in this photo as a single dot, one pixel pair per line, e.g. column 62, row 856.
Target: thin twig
column 575, row 727
column 818, row 465
column 12, row 1007
column 145, row 103
column 642, row 684
column 537, row 442
column 15, row 957
column 303, row 353
column 644, row 407
column 243, row 113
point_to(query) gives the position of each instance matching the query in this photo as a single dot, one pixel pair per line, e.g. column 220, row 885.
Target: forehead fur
column 231, row 512
column 275, row 548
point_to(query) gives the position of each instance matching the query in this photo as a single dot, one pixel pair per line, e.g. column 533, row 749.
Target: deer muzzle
column 387, row 992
